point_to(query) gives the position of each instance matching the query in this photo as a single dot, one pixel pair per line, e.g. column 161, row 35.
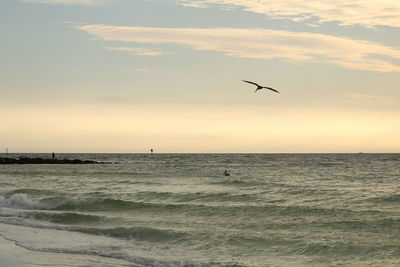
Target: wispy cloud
column 68, row 2
column 189, row 3
column 365, row 99
column 140, row 51
column 144, row 69
column 364, row 12
column 369, row 13
column 262, row 44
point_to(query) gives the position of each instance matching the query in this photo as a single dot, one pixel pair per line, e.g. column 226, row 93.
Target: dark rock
column 46, row 161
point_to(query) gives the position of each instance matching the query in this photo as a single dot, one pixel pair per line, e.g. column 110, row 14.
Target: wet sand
column 10, row 254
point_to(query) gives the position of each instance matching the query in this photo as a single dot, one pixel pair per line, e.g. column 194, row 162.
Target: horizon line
column 360, row 152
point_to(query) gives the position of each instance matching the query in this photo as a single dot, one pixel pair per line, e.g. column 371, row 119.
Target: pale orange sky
column 127, row 76
column 127, row 129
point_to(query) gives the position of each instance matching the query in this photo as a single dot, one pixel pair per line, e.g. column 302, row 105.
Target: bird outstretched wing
column 251, row 83
column 272, row 89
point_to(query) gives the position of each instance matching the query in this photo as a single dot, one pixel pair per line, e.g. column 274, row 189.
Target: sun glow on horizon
column 190, row 130
column 124, row 76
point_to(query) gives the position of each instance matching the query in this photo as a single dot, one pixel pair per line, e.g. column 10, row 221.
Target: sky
column 126, row 76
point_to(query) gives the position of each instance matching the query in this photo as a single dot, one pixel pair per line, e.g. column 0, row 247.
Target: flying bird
column 261, row 87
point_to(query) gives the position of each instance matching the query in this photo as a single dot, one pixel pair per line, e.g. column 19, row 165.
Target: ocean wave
column 238, row 182
column 21, row 201
column 384, row 225
column 261, row 242
column 137, row 233
column 196, row 197
column 17, row 200
column 342, row 250
column 67, row 218
column 392, row 199
column 97, row 204
column 207, row 205
column 331, row 163
column 29, row 191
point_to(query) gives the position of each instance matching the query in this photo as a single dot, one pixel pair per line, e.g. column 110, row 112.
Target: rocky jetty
column 46, row 161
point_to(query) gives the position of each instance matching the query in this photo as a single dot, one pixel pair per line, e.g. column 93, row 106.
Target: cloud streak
column 144, row 69
column 261, row 44
column 368, row 13
column 363, row 12
column 365, row 99
column 139, row 51
column 68, row 2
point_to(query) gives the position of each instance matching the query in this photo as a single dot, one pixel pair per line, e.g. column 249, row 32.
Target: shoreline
column 13, row 255
column 10, row 254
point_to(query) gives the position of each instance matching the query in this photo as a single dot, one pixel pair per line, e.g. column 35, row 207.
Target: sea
column 181, row 210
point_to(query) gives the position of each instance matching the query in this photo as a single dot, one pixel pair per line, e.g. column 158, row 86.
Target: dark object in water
column 226, row 173
column 46, row 161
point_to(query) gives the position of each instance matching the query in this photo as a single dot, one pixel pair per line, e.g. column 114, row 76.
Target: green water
column 180, row 210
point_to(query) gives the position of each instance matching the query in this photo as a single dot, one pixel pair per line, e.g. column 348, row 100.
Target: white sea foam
column 21, row 201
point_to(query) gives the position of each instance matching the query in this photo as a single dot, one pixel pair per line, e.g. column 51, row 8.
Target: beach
column 13, row 255
column 10, row 254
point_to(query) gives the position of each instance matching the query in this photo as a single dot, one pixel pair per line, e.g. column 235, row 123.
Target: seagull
column 261, row 87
